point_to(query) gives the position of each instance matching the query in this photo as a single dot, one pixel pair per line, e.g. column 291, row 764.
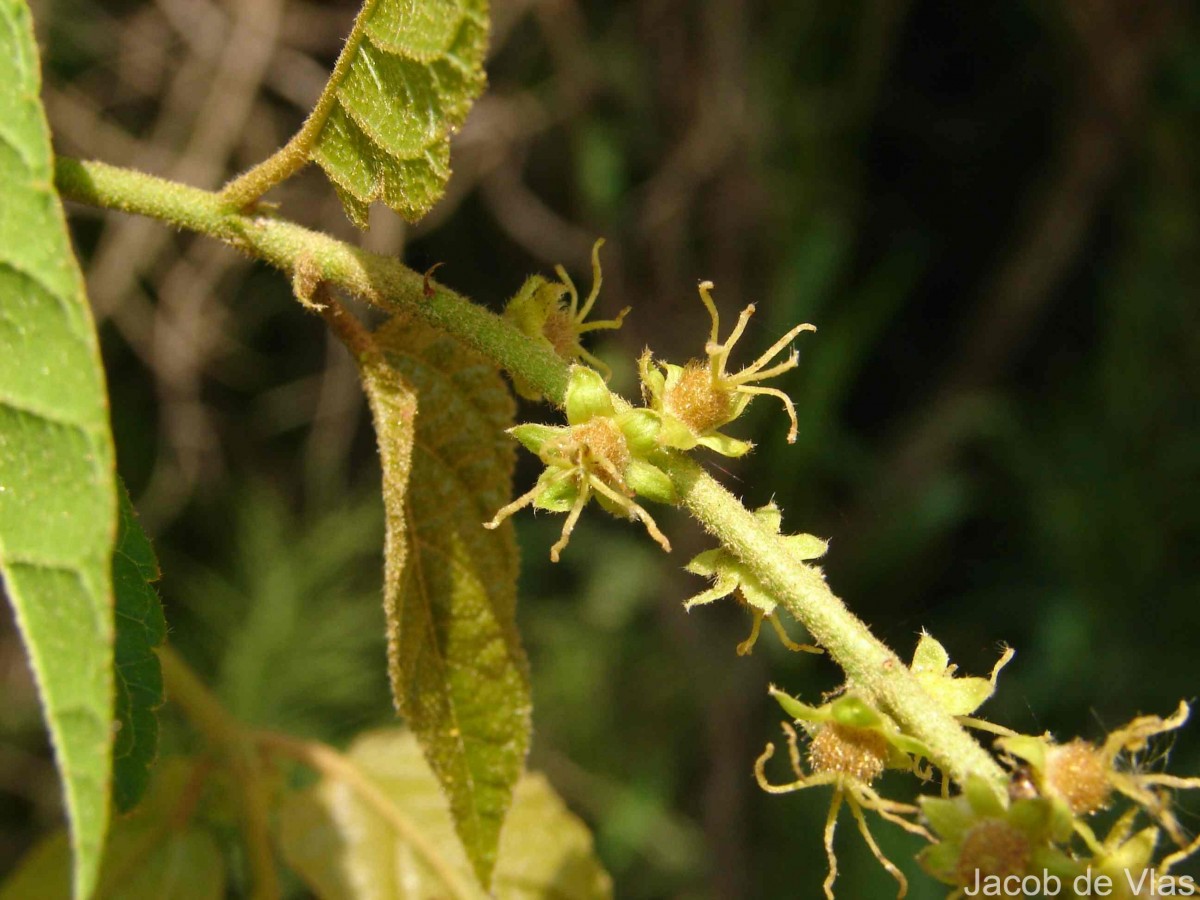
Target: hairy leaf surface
column 58, row 505
column 458, row 671
column 140, row 627
column 403, row 84
column 345, row 849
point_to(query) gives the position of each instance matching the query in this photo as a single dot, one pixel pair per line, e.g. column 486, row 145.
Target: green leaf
column 140, row 627
column 403, row 84
column 58, row 505
column 458, row 671
column 154, row 854
column 345, row 849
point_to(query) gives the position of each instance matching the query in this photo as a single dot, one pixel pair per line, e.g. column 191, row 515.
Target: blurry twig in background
column 531, row 223
column 525, row 218
column 1118, row 41
column 207, row 102
column 188, row 328
column 338, row 409
column 230, row 58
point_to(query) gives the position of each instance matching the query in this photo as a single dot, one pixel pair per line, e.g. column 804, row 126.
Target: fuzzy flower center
column 603, row 439
column 1079, row 773
column 562, row 332
column 858, row 753
column 697, row 401
column 992, row 847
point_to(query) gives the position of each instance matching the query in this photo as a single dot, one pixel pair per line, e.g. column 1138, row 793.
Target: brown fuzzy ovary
column 857, row 753
column 1079, row 773
column 992, row 847
column 696, row 401
column 604, row 440
column 560, row 330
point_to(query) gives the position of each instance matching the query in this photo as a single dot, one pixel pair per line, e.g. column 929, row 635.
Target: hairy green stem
column 380, row 280
column 873, row 668
column 293, row 156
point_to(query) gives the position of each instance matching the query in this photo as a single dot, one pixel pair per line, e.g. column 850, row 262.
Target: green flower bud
column 539, row 310
column 587, row 396
column 649, row 481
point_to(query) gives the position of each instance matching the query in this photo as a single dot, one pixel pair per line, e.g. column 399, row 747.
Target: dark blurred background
column 992, row 212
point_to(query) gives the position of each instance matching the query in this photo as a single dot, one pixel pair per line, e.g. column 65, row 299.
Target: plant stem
column 245, row 189
column 228, row 737
column 380, row 280
column 871, row 667
column 293, row 156
column 869, row 664
column 333, row 765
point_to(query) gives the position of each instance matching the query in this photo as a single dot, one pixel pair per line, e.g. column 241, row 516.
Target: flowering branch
column 874, row 670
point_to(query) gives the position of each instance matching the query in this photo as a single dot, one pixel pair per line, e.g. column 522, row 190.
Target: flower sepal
column 700, row 397
column 641, row 428
column 1027, row 747
column 558, row 492
column 725, row 445
column 587, row 396
column 958, row 696
column 731, row 576
column 851, row 711
column 533, row 436
column 647, row 480
column 1135, row 854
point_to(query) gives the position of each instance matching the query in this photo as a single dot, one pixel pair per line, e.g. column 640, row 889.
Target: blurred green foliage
column 989, row 210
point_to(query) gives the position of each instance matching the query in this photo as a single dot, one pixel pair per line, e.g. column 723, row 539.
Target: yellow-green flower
column 540, row 310
column 981, row 837
column 602, row 452
column 957, row 695
column 731, row 576
column 850, row 745
column 1086, row 776
column 697, row 399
